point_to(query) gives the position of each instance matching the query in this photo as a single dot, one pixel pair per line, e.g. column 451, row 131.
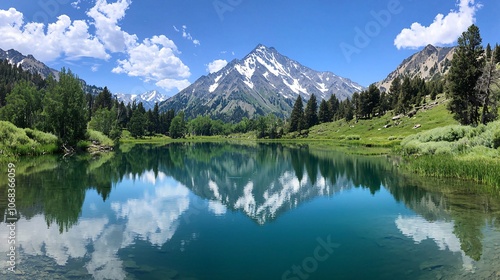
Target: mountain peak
column 429, row 63
column 28, row 63
column 264, row 81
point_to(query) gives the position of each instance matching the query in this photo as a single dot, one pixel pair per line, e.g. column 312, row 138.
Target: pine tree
column 466, row 68
column 324, row 114
column 103, row 100
column 489, row 79
column 297, row 116
column 488, row 52
column 334, row 103
column 394, row 92
column 311, row 112
column 496, row 54
column 405, row 95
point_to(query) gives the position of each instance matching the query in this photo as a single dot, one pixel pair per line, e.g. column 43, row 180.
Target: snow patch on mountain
column 148, row 99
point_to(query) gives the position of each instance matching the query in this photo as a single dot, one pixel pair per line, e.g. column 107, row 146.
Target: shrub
column 93, row 135
column 353, row 137
column 496, row 139
column 41, row 137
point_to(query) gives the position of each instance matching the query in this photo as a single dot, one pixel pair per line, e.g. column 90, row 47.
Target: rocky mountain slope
column 429, row 63
column 263, row 82
column 28, row 63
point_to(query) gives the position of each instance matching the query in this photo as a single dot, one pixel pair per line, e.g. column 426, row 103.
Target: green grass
column 455, row 151
column 478, row 168
column 373, row 133
column 97, row 136
column 16, row 142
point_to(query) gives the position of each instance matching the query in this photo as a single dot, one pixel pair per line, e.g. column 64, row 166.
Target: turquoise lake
column 234, row 211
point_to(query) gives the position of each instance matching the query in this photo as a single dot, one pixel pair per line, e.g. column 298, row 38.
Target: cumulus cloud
column 216, row 65
column 443, row 30
column 64, row 37
column 106, row 17
column 153, row 59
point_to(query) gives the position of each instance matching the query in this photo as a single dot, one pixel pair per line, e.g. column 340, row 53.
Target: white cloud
column 442, row 31
column 64, row 37
column 170, row 84
column 216, row 65
column 76, row 4
column 106, row 17
column 187, row 35
column 154, row 59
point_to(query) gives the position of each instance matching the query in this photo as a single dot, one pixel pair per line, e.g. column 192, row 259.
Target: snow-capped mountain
column 262, row 82
column 148, row 99
column 28, row 63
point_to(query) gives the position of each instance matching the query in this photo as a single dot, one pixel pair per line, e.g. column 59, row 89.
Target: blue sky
column 133, row 46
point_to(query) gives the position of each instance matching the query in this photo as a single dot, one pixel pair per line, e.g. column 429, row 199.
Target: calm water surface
column 219, row 211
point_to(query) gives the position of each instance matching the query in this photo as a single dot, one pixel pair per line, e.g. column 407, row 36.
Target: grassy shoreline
column 438, row 147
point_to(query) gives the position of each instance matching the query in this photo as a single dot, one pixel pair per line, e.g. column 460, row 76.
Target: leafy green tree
column 324, row 113
column 200, row 125
column 311, row 112
column 297, row 122
column 64, row 108
column 23, row 105
column 178, row 126
column 103, row 120
column 466, row 69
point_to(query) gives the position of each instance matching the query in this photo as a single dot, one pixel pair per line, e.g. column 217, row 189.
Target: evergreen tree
column 297, row 116
column 496, row 54
column 488, row 52
column 373, row 100
column 156, row 118
column 103, row 100
column 489, row 79
column 466, row 68
column 311, row 112
column 324, row 114
column 394, row 92
column 333, row 103
column 357, row 103
column 404, row 100
column 136, row 125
